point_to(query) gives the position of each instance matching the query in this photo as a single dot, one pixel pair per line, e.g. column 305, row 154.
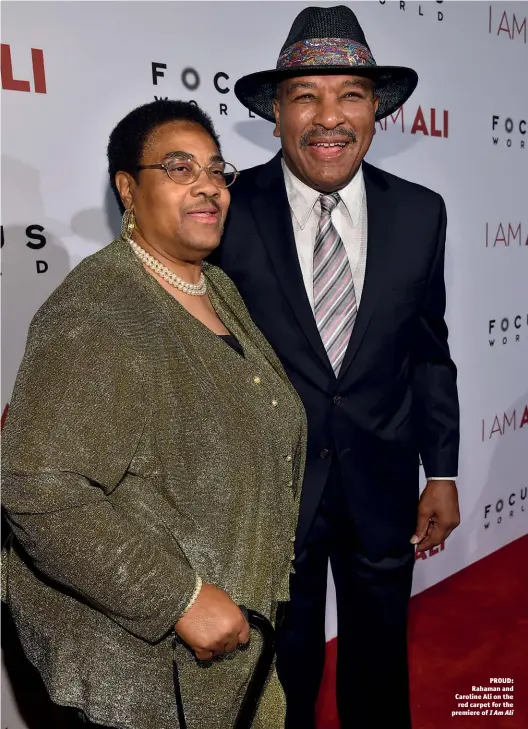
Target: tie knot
column 329, row 202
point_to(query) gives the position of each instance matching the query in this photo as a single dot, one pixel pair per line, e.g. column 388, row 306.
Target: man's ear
column 276, row 112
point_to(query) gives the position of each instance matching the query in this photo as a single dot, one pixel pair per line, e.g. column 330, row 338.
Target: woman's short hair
column 127, row 140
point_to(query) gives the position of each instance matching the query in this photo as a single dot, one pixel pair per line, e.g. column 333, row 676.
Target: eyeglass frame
column 164, row 166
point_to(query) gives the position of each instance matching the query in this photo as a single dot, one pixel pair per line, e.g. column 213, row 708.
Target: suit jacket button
column 324, row 453
column 337, row 399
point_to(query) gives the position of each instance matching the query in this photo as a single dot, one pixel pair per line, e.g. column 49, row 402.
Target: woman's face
column 182, row 221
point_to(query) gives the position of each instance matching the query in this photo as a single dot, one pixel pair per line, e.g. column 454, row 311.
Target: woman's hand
column 214, row 625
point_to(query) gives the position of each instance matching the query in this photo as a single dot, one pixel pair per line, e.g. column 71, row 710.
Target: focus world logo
column 427, row 10
column 190, row 79
column 508, row 131
column 36, row 242
column 506, row 507
column 507, row 330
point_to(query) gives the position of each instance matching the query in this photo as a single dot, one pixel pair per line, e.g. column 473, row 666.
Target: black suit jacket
column 396, row 396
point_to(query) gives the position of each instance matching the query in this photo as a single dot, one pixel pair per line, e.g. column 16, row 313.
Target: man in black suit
column 341, row 266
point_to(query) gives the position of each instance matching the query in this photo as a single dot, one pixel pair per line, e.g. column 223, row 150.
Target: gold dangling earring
column 128, row 223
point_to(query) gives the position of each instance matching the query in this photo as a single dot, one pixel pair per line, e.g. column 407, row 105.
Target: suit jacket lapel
column 378, row 236
column 272, row 213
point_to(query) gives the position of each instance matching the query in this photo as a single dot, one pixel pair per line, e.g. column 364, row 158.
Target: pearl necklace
column 167, row 275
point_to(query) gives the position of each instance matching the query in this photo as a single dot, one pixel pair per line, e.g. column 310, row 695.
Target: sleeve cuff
column 442, row 478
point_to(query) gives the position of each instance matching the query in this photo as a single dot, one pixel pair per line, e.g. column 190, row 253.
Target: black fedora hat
column 326, row 41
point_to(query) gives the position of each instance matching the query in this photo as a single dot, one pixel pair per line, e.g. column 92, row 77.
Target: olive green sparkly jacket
column 140, row 451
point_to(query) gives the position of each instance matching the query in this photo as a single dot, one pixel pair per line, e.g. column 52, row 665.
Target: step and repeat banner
column 71, row 70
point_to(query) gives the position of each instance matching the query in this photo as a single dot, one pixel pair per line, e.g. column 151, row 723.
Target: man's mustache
column 327, row 135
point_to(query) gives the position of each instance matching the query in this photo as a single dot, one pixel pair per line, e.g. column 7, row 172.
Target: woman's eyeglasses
column 185, row 172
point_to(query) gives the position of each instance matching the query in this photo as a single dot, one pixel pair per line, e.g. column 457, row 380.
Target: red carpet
column 463, row 631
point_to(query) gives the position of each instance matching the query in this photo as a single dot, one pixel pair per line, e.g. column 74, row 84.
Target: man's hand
column 438, row 514
column 214, row 625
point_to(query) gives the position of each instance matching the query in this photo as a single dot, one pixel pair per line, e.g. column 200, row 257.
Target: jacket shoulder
column 95, row 287
column 225, row 285
column 246, row 183
column 400, row 186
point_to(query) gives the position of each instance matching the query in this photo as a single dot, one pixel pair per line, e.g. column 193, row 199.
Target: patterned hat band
column 325, row 52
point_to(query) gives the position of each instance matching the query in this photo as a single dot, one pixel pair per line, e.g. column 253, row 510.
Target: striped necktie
column 334, row 296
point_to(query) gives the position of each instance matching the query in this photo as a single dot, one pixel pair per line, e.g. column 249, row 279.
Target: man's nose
column 329, row 114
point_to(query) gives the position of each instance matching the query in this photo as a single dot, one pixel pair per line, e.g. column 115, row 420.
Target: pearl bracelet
column 199, row 585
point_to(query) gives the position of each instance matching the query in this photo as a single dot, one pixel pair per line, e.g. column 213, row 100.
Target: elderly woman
column 153, row 455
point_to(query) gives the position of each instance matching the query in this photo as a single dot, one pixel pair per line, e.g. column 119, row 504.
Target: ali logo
column 429, row 122
column 512, row 130
column 507, row 25
column 505, row 235
column 505, row 423
column 10, row 83
column 506, row 507
column 508, row 329
column 429, row 553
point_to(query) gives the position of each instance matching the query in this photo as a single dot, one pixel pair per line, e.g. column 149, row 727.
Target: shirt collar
column 303, row 198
